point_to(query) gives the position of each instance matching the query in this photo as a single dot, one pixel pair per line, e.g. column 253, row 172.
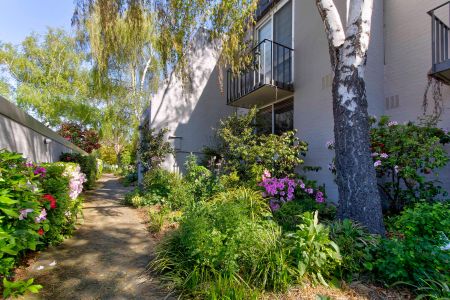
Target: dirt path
column 107, row 256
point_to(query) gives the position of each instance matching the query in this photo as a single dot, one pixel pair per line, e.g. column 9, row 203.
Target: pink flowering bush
column 289, row 198
column 404, row 157
column 36, row 207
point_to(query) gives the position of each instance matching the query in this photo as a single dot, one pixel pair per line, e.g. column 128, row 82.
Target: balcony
column 269, row 78
column 440, row 69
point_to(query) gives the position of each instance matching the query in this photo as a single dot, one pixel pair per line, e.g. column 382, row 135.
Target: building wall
column 21, row 133
column 191, row 111
column 408, row 61
column 313, row 111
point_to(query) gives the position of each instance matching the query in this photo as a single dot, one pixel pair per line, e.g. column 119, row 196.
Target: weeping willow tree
column 119, row 38
column 153, row 36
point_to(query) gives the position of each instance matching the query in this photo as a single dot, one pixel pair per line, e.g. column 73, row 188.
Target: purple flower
column 24, row 213
column 319, row 197
column 384, row 155
column 42, row 216
column 377, row 163
column 40, row 171
column 274, row 206
column 374, row 154
column 309, row 191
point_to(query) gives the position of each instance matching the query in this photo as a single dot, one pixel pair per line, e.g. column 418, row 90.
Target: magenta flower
column 40, row 171
column 319, row 197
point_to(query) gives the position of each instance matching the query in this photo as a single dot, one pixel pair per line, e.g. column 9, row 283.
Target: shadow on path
column 107, row 256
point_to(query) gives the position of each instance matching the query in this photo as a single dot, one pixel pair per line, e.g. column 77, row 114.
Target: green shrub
column 203, row 183
column 153, row 148
column 226, row 240
column 414, row 250
column 289, row 214
column 62, row 218
column 312, row 251
column 249, row 154
column 19, row 288
column 229, row 247
column 38, row 206
column 356, row 246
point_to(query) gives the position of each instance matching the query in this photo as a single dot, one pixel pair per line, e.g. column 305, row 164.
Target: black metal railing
column 272, row 65
column 439, row 34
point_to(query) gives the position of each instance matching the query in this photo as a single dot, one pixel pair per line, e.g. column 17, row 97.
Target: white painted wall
column 191, row 113
column 21, row 133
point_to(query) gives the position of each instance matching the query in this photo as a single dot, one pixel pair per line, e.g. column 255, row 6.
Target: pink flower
column 42, row 216
column 377, row 163
column 24, row 213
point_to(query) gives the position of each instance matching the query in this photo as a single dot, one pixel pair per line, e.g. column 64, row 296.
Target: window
column 276, row 118
column 283, row 116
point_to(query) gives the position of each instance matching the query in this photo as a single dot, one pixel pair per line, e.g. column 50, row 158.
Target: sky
column 19, row 18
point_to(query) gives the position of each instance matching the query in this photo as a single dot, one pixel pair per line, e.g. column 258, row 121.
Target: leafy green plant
column 203, row 183
column 311, row 250
column 157, row 219
column 153, row 148
column 249, row 154
column 19, row 288
column 356, row 247
column 415, row 245
column 224, row 247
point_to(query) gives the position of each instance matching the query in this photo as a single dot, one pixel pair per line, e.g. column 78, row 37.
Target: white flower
column 392, row 123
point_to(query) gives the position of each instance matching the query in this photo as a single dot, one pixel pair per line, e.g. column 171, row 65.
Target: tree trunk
column 359, row 198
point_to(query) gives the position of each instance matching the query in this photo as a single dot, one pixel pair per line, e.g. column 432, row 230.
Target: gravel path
column 106, row 258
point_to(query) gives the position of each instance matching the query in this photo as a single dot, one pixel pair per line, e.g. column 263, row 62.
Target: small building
column 290, row 82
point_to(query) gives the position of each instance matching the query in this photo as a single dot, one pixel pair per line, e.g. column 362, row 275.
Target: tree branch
column 332, row 20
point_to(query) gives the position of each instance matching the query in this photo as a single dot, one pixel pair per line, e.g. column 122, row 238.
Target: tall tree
column 359, row 198
column 50, row 78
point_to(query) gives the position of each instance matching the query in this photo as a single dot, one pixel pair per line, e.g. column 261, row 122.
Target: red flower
column 41, row 231
column 50, row 199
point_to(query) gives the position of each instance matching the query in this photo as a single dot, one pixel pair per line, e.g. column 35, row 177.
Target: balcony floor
column 442, row 72
column 261, row 96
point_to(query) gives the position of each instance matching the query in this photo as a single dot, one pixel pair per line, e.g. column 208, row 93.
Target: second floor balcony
column 267, row 79
column 440, row 19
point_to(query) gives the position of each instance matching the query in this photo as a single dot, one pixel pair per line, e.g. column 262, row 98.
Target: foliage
column 288, row 216
column 64, row 182
column 249, row 154
column 227, row 239
column 202, row 182
column 88, row 165
column 405, row 157
column 86, row 139
column 153, row 148
column 19, row 288
column 311, row 249
column 164, row 187
column 39, row 205
column 356, row 246
column 229, row 246
column 414, row 249
column 52, row 79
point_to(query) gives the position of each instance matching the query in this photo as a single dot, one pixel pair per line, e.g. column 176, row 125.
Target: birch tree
column 359, row 198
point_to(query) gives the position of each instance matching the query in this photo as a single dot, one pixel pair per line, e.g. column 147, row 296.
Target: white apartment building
column 291, row 80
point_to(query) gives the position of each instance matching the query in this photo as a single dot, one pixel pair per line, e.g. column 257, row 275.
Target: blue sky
column 18, row 18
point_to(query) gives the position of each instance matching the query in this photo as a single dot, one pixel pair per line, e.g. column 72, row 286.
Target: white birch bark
column 358, row 192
